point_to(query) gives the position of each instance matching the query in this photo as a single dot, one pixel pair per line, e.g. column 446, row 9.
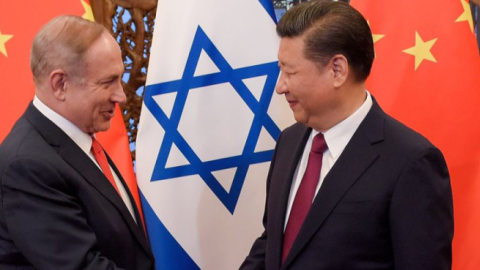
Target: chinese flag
column 427, row 75
column 19, row 23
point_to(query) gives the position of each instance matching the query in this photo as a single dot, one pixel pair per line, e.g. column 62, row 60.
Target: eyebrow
column 283, row 66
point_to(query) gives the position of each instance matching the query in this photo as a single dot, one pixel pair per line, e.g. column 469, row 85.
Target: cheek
column 295, row 87
column 89, row 111
column 304, row 92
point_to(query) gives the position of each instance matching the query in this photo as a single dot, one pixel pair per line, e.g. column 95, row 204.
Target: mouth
column 109, row 114
column 292, row 103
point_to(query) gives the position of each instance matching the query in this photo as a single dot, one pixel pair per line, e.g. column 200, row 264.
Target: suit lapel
column 74, row 156
column 288, row 162
column 356, row 158
column 84, row 165
column 139, row 234
column 127, row 189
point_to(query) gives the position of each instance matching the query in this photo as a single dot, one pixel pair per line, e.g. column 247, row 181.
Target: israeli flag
column 208, row 127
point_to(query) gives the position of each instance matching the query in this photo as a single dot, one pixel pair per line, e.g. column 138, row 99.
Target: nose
column 281, row 87
column 118, row 94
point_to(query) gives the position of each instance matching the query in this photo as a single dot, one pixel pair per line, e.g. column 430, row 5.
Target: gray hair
column 61, row 44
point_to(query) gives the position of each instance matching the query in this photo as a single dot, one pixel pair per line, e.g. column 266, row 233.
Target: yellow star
column 466, row 15
column 3, row 40
column 88, row 11
column 375, row 36
column 421, row 50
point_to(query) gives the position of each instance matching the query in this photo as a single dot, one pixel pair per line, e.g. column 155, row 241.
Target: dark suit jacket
column 58, row 210
column 385, row 204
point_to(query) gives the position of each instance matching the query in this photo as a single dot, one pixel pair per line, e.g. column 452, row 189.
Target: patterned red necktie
column 305, row 193
column 99, row 155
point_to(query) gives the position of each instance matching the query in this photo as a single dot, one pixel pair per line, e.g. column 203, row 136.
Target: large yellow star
column 421, row 50
column 3, row 40
column 466, row 15
column 88, row 11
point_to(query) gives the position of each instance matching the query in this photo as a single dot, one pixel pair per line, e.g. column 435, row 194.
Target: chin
column 300, row 119
column 102, row 128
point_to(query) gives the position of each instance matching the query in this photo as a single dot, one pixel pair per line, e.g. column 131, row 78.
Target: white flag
column 208, row 127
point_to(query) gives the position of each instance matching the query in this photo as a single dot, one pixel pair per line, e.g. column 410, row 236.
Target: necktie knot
column 102, row 161
column 96, row 147
column 319, row 145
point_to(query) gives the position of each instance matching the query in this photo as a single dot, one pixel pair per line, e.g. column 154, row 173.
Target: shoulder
column 24, row 141
column 402, row 147
column 396, row 143
column 385, row 131
column 397, row 133
column 23, row 138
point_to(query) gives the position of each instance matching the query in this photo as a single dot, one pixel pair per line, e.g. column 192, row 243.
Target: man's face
column 91, row 104
column 308, row 88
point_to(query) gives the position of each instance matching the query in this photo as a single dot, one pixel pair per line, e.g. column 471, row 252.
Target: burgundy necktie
column 305, row 193
column 99, row 155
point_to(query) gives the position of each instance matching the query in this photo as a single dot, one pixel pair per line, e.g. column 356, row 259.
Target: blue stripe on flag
column 169, row 255
column 268, row 5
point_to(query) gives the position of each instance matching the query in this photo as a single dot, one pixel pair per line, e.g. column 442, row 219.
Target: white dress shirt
column 337, row 139
column 84, row 141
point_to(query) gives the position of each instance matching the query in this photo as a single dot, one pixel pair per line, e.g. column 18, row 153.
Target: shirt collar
column 339, row 135
column 82, row 139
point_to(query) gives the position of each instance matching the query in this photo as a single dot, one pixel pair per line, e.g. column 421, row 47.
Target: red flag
column 19, row 23
column 427, row 75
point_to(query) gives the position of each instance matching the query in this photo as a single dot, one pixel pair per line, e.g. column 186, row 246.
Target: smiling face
column 308, row 88
column 90, row 103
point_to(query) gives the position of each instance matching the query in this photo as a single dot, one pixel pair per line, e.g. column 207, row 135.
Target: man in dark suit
column 63, row 205
column 349, row 187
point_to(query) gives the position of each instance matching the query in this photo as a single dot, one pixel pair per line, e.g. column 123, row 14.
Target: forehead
column 104, row 55
column 103, row 46
column 290, row 50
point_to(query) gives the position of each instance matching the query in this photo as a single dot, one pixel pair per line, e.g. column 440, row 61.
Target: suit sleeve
column 256, row 258
column 45, row 220
column 421, row 214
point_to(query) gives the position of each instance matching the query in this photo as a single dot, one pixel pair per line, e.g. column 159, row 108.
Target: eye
column 108, row 82
column 287, row 71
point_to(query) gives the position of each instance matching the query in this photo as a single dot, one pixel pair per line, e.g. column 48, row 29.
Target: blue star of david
column 189, row 82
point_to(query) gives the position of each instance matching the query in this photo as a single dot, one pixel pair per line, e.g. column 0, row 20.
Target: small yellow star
column 88, row 11
column 466, row 15
column 375, row 36
column 421, row 50
column 3, row 40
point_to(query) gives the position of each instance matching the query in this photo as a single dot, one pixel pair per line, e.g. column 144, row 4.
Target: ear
column 58, row 84
column 340, row 69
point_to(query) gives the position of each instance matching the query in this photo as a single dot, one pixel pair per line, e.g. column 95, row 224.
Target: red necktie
column 99, row 155
column 305, row 193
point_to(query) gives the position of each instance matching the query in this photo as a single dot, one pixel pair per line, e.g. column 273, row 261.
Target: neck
column 350, row 99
